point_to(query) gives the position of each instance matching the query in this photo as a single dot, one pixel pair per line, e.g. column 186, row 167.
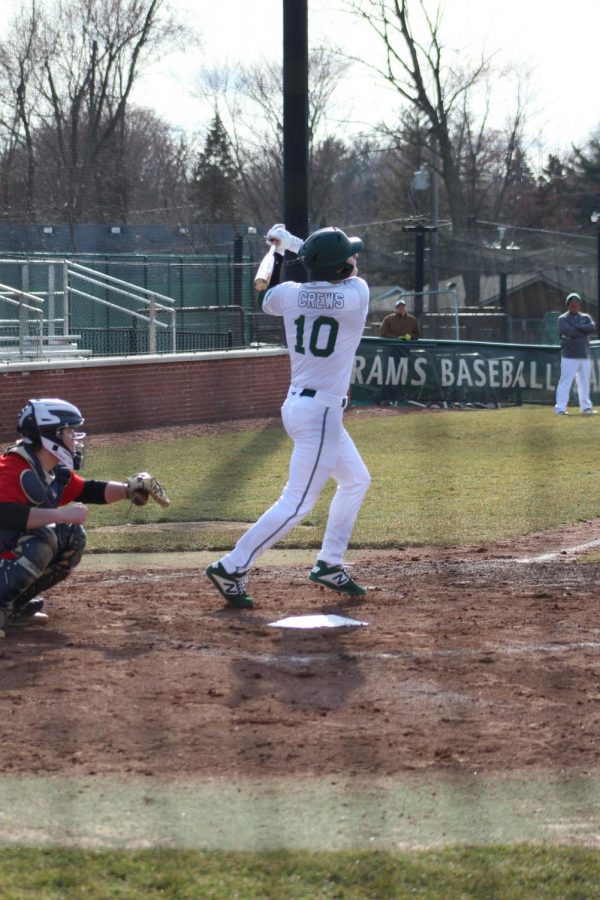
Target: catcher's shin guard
column 34, row 552
column 44, row 558
column 71, row 540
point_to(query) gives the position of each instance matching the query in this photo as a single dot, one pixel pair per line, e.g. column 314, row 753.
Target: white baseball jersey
column 324, row 324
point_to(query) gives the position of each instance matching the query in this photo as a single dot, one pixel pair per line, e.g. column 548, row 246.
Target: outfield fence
column 448, row 373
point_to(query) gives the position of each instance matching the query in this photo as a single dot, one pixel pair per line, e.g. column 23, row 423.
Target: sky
column 560, row 50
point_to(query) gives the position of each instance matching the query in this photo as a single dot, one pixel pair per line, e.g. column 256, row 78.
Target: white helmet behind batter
column 41, row 423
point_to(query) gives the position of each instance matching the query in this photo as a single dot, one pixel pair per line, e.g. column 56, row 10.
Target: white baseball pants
column 322, row 449
column 577, row 370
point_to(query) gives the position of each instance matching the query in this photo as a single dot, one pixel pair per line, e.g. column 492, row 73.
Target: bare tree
column 93, row 52
column 250, row 102
column 67, row 71
column 420, row 69
column 19, row 98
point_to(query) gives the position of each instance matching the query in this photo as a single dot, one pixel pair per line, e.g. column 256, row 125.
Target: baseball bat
column 265, row 270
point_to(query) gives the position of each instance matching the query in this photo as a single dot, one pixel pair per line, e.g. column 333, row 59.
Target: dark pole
column 238, row 255
column 419, row 269
column 295, row 125
column 503, row 298
column 419, row 277
column 598, row 278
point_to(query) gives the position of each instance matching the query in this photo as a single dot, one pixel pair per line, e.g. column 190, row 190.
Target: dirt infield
column 146, row 713
column 479, row 659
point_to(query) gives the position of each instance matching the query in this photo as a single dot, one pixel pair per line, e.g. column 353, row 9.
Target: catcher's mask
column 325, row 254
column 41, row 424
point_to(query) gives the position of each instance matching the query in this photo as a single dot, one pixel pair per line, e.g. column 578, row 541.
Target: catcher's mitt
column 143, row 486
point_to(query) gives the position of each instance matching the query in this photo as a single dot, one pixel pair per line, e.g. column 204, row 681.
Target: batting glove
column 283, row 239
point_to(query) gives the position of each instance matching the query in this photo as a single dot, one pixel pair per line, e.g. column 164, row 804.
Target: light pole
column 433, row 274
column 595, row 218
column 295, row 125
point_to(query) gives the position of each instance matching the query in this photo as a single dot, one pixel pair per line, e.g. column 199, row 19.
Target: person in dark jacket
column 574, row 328
column 43, row 507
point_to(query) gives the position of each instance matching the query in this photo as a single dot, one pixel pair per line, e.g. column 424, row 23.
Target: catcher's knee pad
column 34, row 552
column 36, row 549
column 71, row 540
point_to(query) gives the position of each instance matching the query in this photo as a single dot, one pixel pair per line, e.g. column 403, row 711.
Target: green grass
column 501, row 873
column 449, row 477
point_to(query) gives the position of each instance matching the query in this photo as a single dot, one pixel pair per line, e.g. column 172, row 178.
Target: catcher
column 43, row 506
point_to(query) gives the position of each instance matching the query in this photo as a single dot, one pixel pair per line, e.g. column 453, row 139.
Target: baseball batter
column 324, row 321
column 43, row 506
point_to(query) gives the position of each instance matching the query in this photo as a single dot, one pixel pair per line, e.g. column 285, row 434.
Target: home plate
column 320, row 621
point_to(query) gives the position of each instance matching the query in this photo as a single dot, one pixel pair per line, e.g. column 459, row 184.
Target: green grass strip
column 502, row 873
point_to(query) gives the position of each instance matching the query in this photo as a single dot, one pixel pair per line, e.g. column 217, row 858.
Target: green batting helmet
column 325, row 254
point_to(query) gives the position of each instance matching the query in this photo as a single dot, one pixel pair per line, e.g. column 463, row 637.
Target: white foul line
column 546, row 557
column 356, row 655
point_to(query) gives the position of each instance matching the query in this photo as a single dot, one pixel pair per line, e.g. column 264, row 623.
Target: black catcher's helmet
column 325, row 254
column 41, row 423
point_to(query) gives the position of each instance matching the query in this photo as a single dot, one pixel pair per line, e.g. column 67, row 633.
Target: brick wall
column 146, row 392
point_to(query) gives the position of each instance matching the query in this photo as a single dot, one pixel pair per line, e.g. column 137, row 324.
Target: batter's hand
column 142, row 486
column 283, row 239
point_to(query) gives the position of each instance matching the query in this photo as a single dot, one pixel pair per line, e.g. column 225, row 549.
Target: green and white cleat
column 231, row 587
column 336, row 578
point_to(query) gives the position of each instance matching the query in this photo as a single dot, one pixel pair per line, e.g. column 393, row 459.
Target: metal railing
column 75, row 274
column 37, row 331
column 28, row 336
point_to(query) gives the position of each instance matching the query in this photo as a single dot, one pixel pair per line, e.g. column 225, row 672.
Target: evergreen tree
column 214, row 184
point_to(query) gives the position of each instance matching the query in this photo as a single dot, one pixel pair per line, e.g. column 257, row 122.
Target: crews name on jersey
column 321, row 299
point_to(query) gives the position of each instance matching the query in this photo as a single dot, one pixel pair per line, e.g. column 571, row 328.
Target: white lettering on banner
column 536, row 385
column 446, row 373
column 480, row 373
column 468, row 371
column 397, row 374
column 321, row 299
column 519, row 379
column 357, row 369
column 496, row 373
column 420, row 372
column 507, row 370
column 494, row 379
column 464, row 375
column 376, row 372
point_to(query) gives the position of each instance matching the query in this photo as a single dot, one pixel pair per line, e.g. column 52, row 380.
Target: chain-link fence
column 495, row 283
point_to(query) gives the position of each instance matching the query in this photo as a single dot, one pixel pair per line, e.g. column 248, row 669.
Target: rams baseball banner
column 459, row 372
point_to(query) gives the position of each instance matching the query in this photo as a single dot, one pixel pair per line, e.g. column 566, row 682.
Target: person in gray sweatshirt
column 574, row 328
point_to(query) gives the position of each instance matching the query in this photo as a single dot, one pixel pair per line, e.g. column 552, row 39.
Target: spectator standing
column 400, row 324
column 574, row 328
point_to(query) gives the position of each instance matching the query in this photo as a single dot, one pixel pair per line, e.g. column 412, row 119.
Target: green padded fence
column 457, row 372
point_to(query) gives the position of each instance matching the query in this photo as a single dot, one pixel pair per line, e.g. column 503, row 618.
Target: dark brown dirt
column 471, row 661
